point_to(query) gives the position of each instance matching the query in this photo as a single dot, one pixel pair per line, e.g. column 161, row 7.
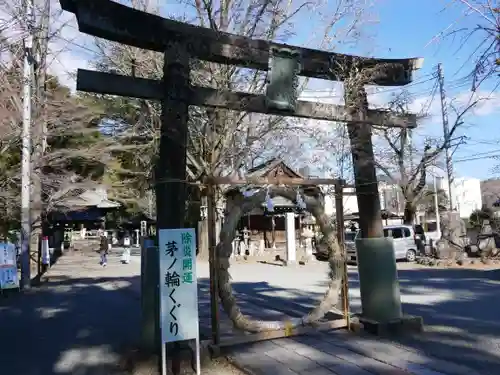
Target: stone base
column 407, row 324
column 307, row 259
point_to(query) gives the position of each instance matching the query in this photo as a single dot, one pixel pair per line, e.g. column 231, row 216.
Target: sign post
column 9, row 278
column 179, row 319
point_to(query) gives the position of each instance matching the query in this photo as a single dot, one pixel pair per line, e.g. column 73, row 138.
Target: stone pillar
column 251, row 249
column 307, row 235
column 262, row 247
column 308, row 248
column 291, row 253
column 234, row 246
column 137, row 242
column 242, row 249
column 246, row 237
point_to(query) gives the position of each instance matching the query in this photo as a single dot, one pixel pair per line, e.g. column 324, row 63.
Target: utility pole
column 436, row 207
column 446, row 135
column 26, row 148
column 39, row 131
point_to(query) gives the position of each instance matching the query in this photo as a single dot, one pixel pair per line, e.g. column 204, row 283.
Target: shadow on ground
column 461, row 310
column 81, row 325
column 76, row 326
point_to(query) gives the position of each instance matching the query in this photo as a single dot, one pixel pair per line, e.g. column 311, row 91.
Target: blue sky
column 403, row 28
column 411, row 28
column 407, row 28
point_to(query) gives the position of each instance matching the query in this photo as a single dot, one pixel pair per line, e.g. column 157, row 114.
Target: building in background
column 467, row 196
column 490, row 193
column 391, row 203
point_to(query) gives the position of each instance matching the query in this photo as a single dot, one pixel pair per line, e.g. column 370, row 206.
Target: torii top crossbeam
column 120, row 23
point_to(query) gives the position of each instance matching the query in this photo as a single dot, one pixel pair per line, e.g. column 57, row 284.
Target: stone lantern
column 308, row 235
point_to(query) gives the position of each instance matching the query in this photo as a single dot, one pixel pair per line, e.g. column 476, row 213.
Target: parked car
column 405, row 243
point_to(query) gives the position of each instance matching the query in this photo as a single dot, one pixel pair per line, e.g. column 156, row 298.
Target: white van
column 403, row 239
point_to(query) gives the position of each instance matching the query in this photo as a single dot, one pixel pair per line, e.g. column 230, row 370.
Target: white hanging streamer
column 269, row 202
column 247, row 192
column 300, row 201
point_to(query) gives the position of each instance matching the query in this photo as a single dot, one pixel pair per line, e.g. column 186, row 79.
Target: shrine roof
column 273, row 168
column 272, row 165
column 78, row 198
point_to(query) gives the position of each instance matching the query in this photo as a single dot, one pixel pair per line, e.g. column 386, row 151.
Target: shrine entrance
column 332, row 312
column 182, row 42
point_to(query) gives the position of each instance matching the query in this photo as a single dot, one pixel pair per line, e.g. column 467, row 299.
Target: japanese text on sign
column 179, row 297
column 8, row 266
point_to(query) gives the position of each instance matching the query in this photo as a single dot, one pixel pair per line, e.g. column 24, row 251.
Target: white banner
column 45, row 251
column 8, row 266
column 178, row 285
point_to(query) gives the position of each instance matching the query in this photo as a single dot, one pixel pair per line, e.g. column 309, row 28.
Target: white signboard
column 45, row 251
column 178, row 285
column 8, row 266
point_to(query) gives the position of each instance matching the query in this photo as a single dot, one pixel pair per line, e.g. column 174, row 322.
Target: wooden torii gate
column 179, row 42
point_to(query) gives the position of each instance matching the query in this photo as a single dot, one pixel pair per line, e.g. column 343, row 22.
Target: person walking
column 104, row 248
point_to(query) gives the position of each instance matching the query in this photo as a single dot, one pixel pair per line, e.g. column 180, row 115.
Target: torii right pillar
column 379, row 285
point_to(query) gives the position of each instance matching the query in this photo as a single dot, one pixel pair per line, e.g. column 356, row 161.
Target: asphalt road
column 78, row 325
column 460, row 307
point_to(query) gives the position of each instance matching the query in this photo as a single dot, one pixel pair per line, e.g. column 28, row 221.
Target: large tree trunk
column 409, row 213
column 203, row 247
column 194, row 220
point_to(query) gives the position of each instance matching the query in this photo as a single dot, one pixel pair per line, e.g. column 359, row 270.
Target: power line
column 495, row 156
column 479, row 155
column 434, row 91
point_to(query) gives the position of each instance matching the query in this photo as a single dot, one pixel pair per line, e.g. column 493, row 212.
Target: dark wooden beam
column 272, row 181
column 120, row 23
column 114, row 84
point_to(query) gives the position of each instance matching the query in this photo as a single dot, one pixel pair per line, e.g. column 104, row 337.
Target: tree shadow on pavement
column 459, row 309
column 81, row 325
column 76, row 326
